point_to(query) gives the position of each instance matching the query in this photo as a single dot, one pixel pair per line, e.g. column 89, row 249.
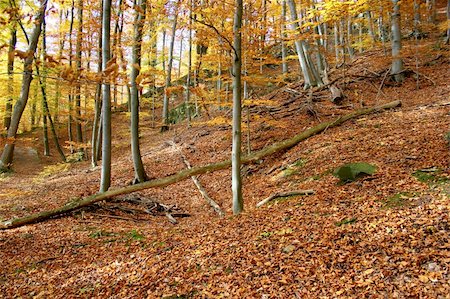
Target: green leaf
column 351, row 171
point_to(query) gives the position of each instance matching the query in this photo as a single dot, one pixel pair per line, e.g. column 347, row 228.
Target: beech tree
column 139, row 172
column 10, row 70
column 165, row 113
column 8, row 151
column 105, row 180
column 238, row 203
column 397, row 61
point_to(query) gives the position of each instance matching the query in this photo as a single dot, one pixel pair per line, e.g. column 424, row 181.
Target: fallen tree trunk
column 184, row 174
column 284, row 194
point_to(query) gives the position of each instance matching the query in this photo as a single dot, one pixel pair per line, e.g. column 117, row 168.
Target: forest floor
column 383, row 236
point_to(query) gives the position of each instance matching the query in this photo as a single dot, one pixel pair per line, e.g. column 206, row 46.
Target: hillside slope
column 382, row 236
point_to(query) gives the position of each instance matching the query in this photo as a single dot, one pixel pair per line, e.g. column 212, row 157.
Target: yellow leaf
column 423, row 278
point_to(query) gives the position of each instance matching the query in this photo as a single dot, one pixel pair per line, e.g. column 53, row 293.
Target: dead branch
column 184, row 174
column 199, row 186
column 284, row 194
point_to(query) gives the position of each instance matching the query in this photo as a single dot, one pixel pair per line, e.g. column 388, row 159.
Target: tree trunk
column 447, row 38
column 284, row 65
column 79, row 131
column 236, row 179
column 98, row 101
column 165, row 115
column 397, row 61
column 139, row 171
column 60, row 54
column 47, row 115
column 105, row 180
column 43, row 83
column 310, row 78
column 370, row 26
column 188, row 77
column 7, row 155
column 184, row 174
column 70, row 96
column 97, row 107
column 9, row 101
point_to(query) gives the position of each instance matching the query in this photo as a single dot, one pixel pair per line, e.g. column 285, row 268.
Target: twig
column 284, row 194
column 218, row 33
column 382, row 83
column 115, row 217
column 171, row 219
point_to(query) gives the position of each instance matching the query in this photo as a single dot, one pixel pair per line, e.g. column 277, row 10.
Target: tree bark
column 447, row 38
column 189, row 67
column 98, row 102
column 105, row 180
column 284, row 65
column 303, row 57
column 78, row 128
column 236, row 179
column 9, row 101
column 43, row 84
column 7, row 155
column 284, row 194
column 46, row 114
column 139, row 171
column 397, row 61
column 165, row 115
column 184, row 174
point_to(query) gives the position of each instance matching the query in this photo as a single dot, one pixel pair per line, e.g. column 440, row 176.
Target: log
column 284, row 194
column 184, row 174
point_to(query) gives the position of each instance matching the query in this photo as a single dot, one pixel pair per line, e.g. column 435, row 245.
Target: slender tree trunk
column 46, row 112
column 181, row 57
column 60, row 54
column 284, row 65
column 9, row 101
column 381, row 29
column 7, row 155
column 370, row 26
column 416, row 17
column 165, row 115
column 447, row 38
column 188, row 77
column 98, row 102
column 116, row 43
column 139, row 171
column 431, row 8
column 336, row 42
column 70, row 97
column 78, row 128
column 397, row 61
column 351, row 51
column 43, row 84
column 236, row 179
column 105, row 180
column 308, row 74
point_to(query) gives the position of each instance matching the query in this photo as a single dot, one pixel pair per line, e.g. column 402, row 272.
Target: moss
column 345, row 221
column 397, row 200
column 432, row 176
